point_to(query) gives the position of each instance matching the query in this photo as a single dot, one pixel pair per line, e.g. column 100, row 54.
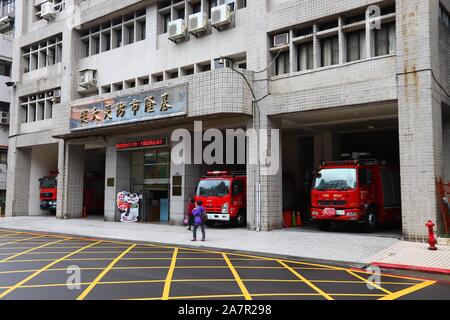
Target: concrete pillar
column 420, row 118
column 110, row 174
column 177, row 202
column 271, row 183
column 316, row 47
column 342, row 42
column 74, row 180
column 17, row 193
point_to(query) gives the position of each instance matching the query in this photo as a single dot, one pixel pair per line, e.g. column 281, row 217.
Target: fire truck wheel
column 240, row 220
column 324, row 225
column 371, row 220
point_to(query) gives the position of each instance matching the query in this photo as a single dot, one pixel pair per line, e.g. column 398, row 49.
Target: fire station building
column 101, row 85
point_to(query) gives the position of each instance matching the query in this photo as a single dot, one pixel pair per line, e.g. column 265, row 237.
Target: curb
column 411, row 268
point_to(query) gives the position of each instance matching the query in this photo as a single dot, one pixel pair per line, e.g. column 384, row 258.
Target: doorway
column 156, row 203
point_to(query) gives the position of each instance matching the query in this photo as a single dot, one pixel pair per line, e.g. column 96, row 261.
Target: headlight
column 225, row 208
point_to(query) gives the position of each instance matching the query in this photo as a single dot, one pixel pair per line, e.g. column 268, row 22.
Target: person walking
column 190, row 217
column 198, row 213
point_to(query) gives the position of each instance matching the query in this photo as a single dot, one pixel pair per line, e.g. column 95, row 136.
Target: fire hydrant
column 431, row 239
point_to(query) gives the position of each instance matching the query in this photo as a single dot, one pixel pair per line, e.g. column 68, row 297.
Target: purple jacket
column 197, row 212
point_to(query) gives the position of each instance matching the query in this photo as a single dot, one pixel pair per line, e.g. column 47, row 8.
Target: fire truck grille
column 213, row 209
column 332, row 203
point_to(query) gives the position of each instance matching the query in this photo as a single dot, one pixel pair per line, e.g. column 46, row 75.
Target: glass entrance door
column 156, row 204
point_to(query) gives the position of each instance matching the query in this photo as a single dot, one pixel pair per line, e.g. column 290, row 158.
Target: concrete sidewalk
column 342, row 247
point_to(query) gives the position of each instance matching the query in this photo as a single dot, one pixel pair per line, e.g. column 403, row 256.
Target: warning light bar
column 217, row 173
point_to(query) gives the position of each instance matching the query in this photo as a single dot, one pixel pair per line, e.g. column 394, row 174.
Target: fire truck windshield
column 48, row 182
column 213, row 187
column 335, row 179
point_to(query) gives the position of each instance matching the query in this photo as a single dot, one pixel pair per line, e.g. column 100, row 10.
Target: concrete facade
column 6, row 48
column 412, row 80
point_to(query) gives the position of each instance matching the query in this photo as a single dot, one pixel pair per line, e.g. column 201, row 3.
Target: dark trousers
column 191, row 221
column 203, row 230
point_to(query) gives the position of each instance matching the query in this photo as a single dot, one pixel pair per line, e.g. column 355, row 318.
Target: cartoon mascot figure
column 128, row 204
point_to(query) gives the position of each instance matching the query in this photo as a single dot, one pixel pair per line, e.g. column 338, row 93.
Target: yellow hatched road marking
column 309, row 283
column 371, row 283
column 166, row 291
column 32, row 249
column 17, row 285
column 406, row 291
column 103, row 273
column 237, row 277
column 16, row 241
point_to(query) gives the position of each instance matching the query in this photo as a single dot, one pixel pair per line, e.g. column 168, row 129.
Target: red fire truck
column 365, row 191
column 224, row 196
column 48, row 191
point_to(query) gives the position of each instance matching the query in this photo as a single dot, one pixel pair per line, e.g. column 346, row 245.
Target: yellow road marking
column 17, row 285
column 8, row 235
column 389, row 275
column 406, row 291
column 32, row 249
column 166, row 291
column 325, row 295
column 16, row 241
column 371, row 283
column 103, row 273
column 237, row 277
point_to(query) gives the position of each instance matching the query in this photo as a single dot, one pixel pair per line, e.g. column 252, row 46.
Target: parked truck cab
column 363, row 191
column 224, row 196
column 48, row 191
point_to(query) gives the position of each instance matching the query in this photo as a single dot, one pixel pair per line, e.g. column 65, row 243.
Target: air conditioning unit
column 198, row 22
column 87, row 79
column 221, row 16
column 4, row 117
column 56, row 98
column 177, row 30
column 6, row 23
column 48, row 11
column 281, row 40
column 223, row 63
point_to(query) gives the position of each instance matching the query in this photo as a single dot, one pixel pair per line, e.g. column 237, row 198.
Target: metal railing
column 7, row 8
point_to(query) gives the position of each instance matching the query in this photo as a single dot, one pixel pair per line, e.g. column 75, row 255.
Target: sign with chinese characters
column 143, row 106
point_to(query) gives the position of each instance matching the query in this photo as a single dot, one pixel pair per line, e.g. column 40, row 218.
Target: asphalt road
column 48, row 266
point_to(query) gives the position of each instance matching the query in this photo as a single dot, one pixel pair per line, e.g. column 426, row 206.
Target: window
column 444, row 16
column 156, row 164
column 166, row 21
column 365, row 177
column 114, row 34
column 330, row 51
column 3, row 156
column 356, row 45
column 336, row 179
column 385, row 40
column 282, row 63
column 196, row 7
column 5, row 68
column 39, row 106
column 238, row 187
column 180, row 13
column 42, row 54
column 305, row 56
